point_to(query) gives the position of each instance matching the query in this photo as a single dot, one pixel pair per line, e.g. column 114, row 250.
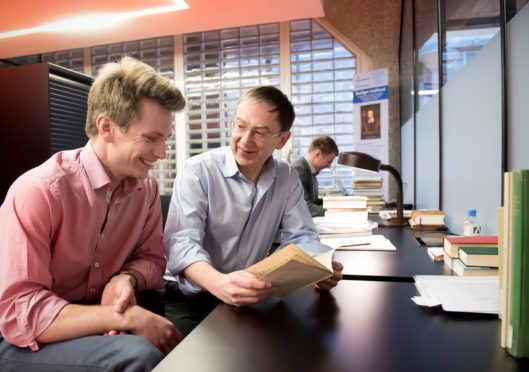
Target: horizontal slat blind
column 71, row 59
column 67, row 100
column 322, row 72
column 219, row 66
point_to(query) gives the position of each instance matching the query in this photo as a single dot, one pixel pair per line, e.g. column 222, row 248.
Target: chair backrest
column 165, row 200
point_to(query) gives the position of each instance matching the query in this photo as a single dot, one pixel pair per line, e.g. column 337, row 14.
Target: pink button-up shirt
column 63, row 234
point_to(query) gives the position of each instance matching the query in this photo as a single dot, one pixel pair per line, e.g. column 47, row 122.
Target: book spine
column 519, row 345
column 505, row 261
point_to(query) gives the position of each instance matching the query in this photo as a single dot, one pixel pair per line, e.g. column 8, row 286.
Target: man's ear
column 318, row 154
column 105, row 128
column 283, row 139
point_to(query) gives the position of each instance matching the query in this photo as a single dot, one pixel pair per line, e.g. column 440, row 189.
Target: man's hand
column 331, row 282
column 240, row 288
column 119, row 292
column 158, row 330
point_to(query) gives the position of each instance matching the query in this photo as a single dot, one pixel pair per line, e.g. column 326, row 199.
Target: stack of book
column 329, row 191
column 349, row 209
column 427, row 220
column 371, row 188
column 514, row 263
column 477, row 261
column 461, row 254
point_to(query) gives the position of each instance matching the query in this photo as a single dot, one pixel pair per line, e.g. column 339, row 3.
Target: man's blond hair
column 118, row 88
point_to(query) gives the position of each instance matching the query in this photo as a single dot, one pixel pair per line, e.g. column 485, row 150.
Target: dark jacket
column 309, row 188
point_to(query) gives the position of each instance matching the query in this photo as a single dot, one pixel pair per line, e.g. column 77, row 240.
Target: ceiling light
column 95, row 21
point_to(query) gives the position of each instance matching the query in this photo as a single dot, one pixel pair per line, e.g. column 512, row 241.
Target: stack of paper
column 326, row 225
column 459, row 293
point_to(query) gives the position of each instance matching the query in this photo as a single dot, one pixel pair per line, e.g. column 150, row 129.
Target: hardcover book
column 505, row 250
column 452, row 244
column 463, row 270
column 518, row 340
column 479, row 256
column 345, row 201
column 428, row 217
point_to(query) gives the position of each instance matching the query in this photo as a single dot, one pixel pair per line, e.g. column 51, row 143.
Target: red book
column 453, row 243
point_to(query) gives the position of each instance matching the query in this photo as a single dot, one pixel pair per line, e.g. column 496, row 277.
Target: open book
column 291, row 268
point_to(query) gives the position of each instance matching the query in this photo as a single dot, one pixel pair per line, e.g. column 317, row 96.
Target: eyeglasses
column 260, row 135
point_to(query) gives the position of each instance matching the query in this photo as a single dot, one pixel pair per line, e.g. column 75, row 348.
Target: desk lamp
column 366, row 162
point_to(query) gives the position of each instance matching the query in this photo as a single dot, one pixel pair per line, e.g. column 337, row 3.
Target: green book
column 479, row 256
column 518, row 342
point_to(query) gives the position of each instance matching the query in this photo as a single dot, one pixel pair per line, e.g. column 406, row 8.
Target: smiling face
column 250, row 153
column 131, row 153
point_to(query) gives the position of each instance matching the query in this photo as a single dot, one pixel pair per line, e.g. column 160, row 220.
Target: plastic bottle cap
column 472, row 213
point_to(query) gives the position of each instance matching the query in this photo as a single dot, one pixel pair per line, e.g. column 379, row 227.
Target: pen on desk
column 354, row 245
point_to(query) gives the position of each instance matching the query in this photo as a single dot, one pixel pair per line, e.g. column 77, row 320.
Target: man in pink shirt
column 81, row 234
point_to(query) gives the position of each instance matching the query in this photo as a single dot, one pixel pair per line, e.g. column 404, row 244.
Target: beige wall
column 374, row 26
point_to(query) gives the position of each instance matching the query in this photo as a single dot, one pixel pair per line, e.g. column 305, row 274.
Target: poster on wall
column 370, row 113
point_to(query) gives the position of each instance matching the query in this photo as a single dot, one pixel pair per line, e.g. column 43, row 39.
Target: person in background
column 82, row 234
column 226, row 208
column 321, row 154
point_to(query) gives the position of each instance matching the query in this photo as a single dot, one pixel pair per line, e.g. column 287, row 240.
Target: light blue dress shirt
column 219, row 216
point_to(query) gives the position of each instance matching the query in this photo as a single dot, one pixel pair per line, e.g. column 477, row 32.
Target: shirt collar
column 312, row 169
column 97, row 174
column 231, row 169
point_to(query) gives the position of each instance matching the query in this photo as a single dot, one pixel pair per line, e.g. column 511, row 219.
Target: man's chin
column 141, row 174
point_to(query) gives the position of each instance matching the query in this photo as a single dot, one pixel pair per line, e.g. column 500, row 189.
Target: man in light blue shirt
column 227, row 207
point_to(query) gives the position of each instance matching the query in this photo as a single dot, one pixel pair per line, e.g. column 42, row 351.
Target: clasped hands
column 119, row 293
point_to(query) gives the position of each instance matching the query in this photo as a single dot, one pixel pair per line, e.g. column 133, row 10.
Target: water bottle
column 471, row 226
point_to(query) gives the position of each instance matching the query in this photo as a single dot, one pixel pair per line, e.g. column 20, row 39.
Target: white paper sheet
column 467, row 294
column 360, row 243
column 329, row 226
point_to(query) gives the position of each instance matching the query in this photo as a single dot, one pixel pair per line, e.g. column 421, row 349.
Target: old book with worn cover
column 291, row 268
column 428, row 217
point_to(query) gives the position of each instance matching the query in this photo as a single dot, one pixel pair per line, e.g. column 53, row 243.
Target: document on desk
column 331, row 226
column 459, row 293
column 359, row 243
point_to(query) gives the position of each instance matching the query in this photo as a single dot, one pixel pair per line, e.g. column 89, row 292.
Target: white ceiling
column 202, row 15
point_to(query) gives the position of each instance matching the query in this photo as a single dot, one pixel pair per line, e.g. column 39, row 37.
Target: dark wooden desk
column 368, row 326
column 401, row 265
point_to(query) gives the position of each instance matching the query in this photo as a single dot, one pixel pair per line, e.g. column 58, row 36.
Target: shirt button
column 96, row 265
column 92, row 290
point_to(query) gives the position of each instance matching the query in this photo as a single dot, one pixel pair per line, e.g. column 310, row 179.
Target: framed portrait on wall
column 370, row 119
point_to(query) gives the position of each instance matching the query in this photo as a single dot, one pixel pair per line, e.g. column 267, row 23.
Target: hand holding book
column 291, row 268
column 329, row 283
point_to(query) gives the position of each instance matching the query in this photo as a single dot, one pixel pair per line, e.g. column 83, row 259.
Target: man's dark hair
column 325, row 144
column 278, row 100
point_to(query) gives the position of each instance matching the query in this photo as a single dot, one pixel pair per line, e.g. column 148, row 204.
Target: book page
column 325, row 258
column 294, row 275
column 291, row 268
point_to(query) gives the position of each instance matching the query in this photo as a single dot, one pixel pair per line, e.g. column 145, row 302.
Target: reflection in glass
column 406, row 64
column 427, row 47
column 469, row 25
column 428, row 70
